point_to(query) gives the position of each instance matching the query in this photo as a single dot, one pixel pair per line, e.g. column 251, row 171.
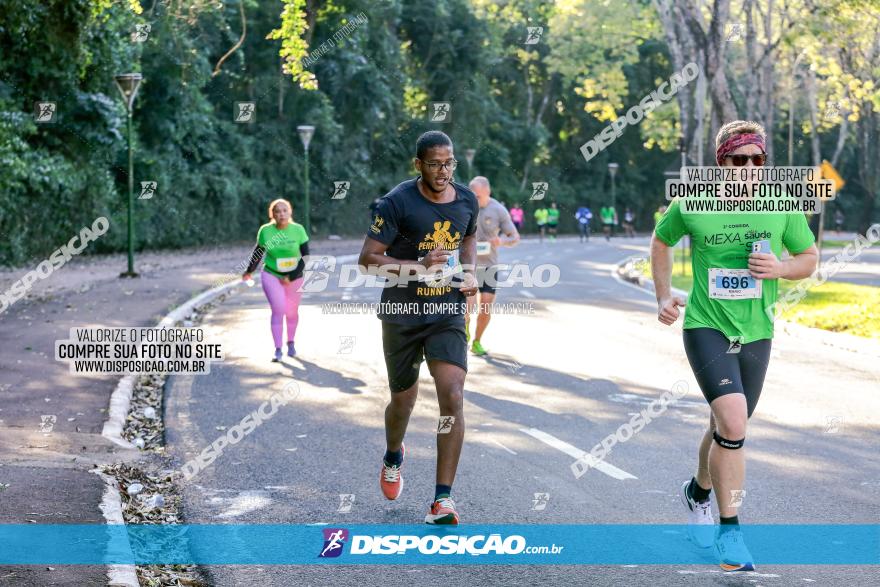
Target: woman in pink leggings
column 284, row 243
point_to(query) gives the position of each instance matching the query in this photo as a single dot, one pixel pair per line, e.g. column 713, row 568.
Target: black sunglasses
column 740, row 160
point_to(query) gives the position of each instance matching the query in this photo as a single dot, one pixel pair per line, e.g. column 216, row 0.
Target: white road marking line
column 504, row 447
column 577, row 453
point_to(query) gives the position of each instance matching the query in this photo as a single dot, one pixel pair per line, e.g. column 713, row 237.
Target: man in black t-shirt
column 424, row 230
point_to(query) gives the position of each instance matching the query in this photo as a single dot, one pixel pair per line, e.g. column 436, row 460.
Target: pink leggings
column 283, row 298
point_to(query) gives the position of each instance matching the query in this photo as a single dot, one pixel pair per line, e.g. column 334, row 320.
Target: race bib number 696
column 733, row 284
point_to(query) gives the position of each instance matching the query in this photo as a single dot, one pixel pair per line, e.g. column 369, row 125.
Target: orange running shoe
column 390, row 479
column 442, row 512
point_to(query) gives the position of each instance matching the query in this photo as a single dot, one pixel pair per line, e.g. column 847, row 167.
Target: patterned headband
column 735, row 142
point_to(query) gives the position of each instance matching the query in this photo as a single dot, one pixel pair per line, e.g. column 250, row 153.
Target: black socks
column 442, row 491
column 697, row 493
column 728, row 524
column 393, row 458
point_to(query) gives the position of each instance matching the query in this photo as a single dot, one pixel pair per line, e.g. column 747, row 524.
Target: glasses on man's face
column 435, row 165
column 740, row 160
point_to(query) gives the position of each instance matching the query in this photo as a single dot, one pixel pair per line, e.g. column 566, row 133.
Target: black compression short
column 719, row 371
column 406, row 345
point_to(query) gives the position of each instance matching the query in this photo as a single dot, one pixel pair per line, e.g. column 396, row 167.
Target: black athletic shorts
column 407, row 345
column 720, row 370
column 490, row 280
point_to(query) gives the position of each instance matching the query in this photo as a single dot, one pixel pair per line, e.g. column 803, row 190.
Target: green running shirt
column 724, row 241
column 282, row 246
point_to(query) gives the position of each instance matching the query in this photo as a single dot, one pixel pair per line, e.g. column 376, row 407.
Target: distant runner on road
column 494, row 229
column 541, row 216
column 609, row 219
column 583, row 216
column 727, row 331
column 552, row 220
column 426, row 222
column 516, row 214
column 284, row 244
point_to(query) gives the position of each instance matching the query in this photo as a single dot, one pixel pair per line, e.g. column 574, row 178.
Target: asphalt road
column 591, row 354
column 863, row 270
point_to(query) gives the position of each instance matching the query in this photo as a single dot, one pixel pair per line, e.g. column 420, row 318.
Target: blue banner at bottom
column 235, row 544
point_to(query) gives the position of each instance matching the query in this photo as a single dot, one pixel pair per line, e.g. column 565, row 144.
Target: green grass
column 834, row 306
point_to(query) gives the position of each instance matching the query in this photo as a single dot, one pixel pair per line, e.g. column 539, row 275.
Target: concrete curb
column 624, row 271
column 121, row 397
column 111, row 507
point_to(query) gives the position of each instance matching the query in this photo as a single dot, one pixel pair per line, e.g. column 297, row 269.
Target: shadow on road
column 318, row 376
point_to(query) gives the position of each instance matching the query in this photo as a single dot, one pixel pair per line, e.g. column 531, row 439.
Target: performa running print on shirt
column 412, row 226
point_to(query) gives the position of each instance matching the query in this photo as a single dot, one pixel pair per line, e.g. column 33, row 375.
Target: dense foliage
column 364, row 73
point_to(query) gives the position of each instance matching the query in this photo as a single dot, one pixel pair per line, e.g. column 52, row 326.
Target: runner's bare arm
column 468, row 258
column 511, row 234
column 661, row 270
column 767, row 266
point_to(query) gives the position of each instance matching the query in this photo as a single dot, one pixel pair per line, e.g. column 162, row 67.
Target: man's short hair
column 431, row 139
column 480, row 180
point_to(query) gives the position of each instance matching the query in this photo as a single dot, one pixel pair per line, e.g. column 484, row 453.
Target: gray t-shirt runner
column 493, row 220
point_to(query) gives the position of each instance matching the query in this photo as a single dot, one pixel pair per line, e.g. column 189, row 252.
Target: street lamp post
column 469, row 155
column 305, row 135
column 128, row 84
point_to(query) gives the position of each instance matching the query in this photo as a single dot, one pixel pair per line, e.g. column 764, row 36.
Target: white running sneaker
column 701, row 524
column 732, row 552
